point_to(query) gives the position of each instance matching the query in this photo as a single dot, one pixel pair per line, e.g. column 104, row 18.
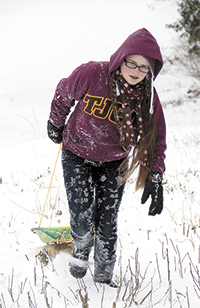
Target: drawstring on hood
column 151, row 64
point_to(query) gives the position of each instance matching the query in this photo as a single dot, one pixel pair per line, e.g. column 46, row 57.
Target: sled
column 52, row 235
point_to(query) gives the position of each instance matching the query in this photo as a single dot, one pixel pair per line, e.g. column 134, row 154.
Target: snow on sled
column 52, row 235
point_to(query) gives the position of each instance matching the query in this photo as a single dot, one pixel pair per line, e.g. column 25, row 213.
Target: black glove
column 154, row 188
column 54, row 132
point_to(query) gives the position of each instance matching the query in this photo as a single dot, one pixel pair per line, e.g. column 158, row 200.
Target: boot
column 79, row 262
column 103, row 273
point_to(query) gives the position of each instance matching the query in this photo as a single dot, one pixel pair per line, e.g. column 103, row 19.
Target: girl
column 116, row 126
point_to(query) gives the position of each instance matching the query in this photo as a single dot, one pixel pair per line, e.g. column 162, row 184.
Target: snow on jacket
column 91, row 131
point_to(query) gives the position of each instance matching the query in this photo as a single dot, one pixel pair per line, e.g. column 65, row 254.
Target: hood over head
column 141, row 43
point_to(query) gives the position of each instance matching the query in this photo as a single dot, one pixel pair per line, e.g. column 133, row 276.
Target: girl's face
column 134, row 75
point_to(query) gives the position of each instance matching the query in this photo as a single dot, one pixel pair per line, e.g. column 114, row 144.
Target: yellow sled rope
column 51, row 235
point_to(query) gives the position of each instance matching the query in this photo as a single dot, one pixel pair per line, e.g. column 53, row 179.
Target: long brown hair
column 134, row 161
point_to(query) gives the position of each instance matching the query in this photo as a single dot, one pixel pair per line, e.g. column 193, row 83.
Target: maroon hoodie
column 91, row 131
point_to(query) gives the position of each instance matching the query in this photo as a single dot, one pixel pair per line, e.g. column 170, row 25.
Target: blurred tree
column 189, row 24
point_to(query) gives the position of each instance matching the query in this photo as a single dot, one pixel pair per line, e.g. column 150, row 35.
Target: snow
column 158, row 258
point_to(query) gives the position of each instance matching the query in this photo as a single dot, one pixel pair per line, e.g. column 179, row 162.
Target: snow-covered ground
column 158, row 261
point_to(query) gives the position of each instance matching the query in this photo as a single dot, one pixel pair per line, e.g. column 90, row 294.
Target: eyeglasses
column 132, row 65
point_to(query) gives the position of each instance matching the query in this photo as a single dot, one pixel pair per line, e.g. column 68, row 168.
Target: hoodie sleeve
column 160, row 145
column 68, row 91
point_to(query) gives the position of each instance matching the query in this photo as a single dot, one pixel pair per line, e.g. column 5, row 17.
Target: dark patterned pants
column 94, row 197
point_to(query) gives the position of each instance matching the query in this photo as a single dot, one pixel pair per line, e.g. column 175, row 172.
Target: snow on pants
column 94, row 197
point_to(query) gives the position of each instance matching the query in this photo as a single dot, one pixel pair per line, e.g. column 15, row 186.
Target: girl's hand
column 54, row 132
column 154, row 188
